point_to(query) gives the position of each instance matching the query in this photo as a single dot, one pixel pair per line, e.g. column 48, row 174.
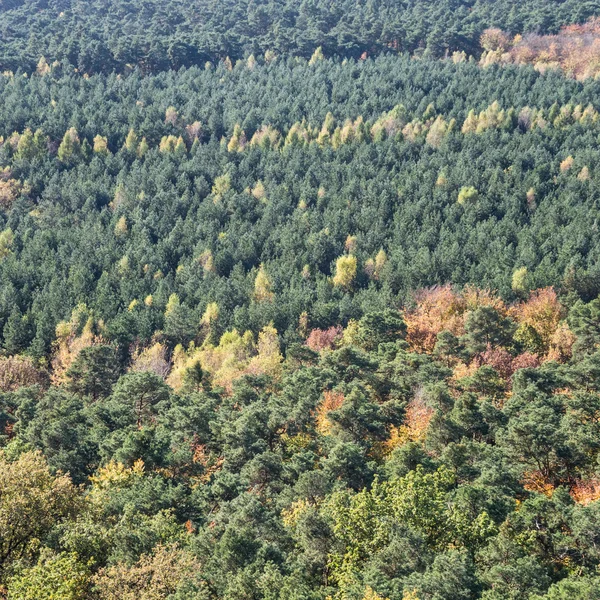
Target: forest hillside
column 299, row 300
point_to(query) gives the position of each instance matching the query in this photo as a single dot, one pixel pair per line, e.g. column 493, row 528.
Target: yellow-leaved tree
column 54, row 575
column 262, row 286
column 345, row 271
column 32, row 502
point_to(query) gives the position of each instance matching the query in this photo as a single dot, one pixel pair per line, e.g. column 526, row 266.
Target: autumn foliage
column 437, row 309
column 322, row 339
column 331, row 401
column 574, row 50
column 417, row 417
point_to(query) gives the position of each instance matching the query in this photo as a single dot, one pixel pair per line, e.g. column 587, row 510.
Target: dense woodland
column 105, row 35
column 299, row 301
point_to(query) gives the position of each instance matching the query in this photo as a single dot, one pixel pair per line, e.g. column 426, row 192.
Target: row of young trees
column 395, row 124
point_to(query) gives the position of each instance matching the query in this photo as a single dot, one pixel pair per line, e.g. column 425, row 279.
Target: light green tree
column 53, row 577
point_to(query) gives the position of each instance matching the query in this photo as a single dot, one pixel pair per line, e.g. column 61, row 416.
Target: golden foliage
column 470, row 124
column 172, row 304
column 269, row 360
column 171, row 144
column 566, row 164
column 193, row 131
column 586, row 492
column 371, row 594
column 238, row 140
column 476, row 298
column 266, row 137
column 300, row 134
column 331, row 401
column 131, row 141
column 442, row 308
column 534, row 481
column 417, row 417
column 324, row 339
column 262, row 286
column 494, row 39
column 462, row 369
column 345, row 271
column 206, row 261
column 71, row 338
column 531, row 199
column 467, row 195
column 203, row 457
column 115, row 474
column 317, row 56
column 437, row 132
column 221, row 185
column 155, row 576
column 101, row 145
column 584, row 174
column 171, row 115
column 258, row 191
column 436, row 309
column 32, row 501
column 142, row 148
column 9, row 191
column 121, row 227
column 520, row 280
column 235, row 356
column 561, row 343
column 575, row 50
column 211, row 314
column 43, row 68
column 390, row 124
column 543, row 312
column 350, row 243
column 291, row 515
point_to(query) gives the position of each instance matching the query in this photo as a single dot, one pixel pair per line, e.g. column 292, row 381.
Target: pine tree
column 16, row 332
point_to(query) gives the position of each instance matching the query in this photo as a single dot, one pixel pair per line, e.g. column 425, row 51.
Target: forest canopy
column 106, row 35
column 299, row 300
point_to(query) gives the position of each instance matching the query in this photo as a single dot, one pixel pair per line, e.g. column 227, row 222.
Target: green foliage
column 93, row 372
column 519, row 282
column 210, row 31
column 419, row 501
column 379, row 328
column 584, row 319
column 32, row 502
column 485, row 327
column 53, row 576
column 468, row 195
